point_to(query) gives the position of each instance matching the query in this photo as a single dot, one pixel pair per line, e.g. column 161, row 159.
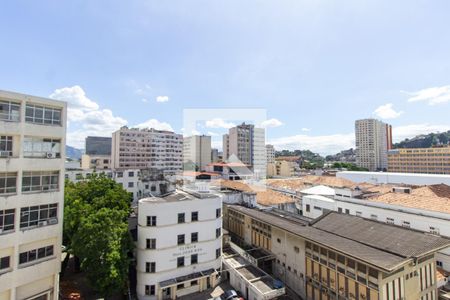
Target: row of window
column 32, row 216
column 151, row 220
column 35, row 181
column 38, row 114
column 27, row 257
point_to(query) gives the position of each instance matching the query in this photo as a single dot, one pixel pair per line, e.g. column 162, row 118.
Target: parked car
column 228, row 295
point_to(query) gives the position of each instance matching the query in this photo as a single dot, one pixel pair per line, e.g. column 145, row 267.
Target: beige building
column 339, row 256
column 97, row 162
column 420, row 160
column 152, row 149
column 373, row 140
column 197, row 150
column 247, row 144
column 33, row 136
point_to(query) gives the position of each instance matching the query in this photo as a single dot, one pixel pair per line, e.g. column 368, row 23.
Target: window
column 318, row 208
column 194, row 259
column 218, row 250
column 38, row 215
column 42, row 115
column 439, row 263
column 6, row 143
column 9, row 111
column 5, row 262
column 41, row 147
column 296, row 249
column 390, row 220
column 340, row 209
column 374, row 217
column 194, row 216
column 194, row 282
column 194, row 237
column 180, row 286
column 40, row 181
column 347, row 211
column 358, row 213
column 35, row 254
column 150, row 290
column 218, row 232
column 130, row 174
column 6, row 220
column 181, row 239
column 218, row 212
column 8, row 183
column 180, row 262
column 434, row 230
column 279, row 241
column 150, row 267
column 308, row 208
column 151, row 220
column 130, row 184
column 151, row 243
column 406, row 224
column 180, row 218
column 153, row 188
column 119, row 174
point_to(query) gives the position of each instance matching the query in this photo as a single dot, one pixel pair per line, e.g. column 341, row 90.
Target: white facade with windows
column 433, row 222
column 179, row 244
column 32, row 139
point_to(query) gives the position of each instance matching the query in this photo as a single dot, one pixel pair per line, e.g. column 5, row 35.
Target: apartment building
column 179, row 244
column 247, row 144
column 98, row 145
column 152, row 149
column 197, row 150
column 420, row 160
column 32, row 153
column 270, row 154
column 225, row 146
column 339, row 256
column 98, row 162
column 214, row 155
column 373, row 140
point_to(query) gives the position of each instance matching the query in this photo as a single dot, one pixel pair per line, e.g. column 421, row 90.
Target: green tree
column 96, row 232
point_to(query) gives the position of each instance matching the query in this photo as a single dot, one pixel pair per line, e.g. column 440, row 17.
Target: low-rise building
column 394, row 178
column 340, row 256
column 434, row 160
column 98, row 162
column 179, row 244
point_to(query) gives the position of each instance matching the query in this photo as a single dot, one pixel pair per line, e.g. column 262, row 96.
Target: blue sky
column 315, row 66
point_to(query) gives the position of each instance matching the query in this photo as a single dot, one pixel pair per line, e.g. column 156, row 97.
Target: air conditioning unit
column 4, row 153
column 49, row 155
column 53, row 221
column 42, row 223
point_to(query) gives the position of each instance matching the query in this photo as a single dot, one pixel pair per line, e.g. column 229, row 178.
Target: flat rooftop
column 250, row 272
column 179, row 195
column 381, row 245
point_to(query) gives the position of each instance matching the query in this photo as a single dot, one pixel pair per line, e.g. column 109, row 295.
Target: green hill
column 425, row 140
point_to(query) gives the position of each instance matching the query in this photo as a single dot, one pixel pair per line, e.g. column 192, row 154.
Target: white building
column 399, row 207
column 152, row 149
column 33, row 135
column 197, row 150
column 245, row 143
column 179, row 244
column 373, row 140
column 270, row 154
column 394, row 178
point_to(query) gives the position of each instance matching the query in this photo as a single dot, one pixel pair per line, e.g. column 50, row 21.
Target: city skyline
column 307, row 64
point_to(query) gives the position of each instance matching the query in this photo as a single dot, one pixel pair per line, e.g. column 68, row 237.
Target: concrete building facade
column 247, row 144
column 152, row 149
column 270, row 154
column 33, row 136
column 420, row 160
column 179, row 244
column 98, row 162
column 373, row 140
column 197, row 150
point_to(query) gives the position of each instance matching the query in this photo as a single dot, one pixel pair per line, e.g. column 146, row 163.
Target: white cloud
column 212, row 133
column 85, row 116
column 219, row 123
column 153, row 123
column 400, row 133
column 162, row 99
column 271, row 123
column 433, row 95
column 304, row 129
column 144, row 100
column 326, row 144
column 387, row 112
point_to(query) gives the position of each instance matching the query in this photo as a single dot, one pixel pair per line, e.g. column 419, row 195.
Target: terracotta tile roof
column 305, row 181
column 264, row 196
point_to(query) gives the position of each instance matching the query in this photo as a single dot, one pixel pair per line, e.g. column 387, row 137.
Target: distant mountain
column 425, row 140
column 73, row 153
column 310, row 160
column 343, row 156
